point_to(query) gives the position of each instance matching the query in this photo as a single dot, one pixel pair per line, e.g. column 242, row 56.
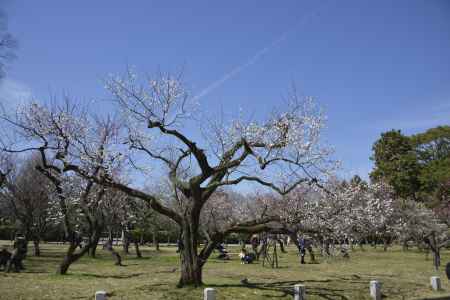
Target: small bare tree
column 28, row 195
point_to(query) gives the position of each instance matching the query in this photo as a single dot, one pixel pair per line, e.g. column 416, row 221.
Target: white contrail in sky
column 252, row 60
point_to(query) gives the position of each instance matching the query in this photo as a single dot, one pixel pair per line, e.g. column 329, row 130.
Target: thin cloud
column 13, row 92
column 255, row 58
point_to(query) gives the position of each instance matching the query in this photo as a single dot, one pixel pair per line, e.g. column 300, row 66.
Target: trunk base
column 193, row 282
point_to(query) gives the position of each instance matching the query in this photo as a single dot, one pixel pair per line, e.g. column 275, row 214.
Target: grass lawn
column 404, row 275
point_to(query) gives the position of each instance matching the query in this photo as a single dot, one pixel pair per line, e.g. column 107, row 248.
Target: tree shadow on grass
column 131, row 258
column 35, row 271
column 27, row 270
column 286, row 288
column 121, row 276
column 346, row 285
column 336, row 287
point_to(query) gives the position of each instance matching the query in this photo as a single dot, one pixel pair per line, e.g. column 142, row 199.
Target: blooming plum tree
column 278, row 153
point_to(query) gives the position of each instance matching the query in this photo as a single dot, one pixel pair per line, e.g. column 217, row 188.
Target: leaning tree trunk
column 191, row 264
column 67, row 260
column 71, row 257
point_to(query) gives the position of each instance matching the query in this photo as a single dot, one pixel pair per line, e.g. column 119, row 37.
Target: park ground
column 404, row 275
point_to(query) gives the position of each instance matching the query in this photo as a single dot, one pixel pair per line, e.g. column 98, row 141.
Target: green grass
column 404, row 275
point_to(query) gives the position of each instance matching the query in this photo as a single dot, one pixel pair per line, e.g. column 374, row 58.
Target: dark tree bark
column 312, row 257
column 108, row 247
column 281, row 245
column 125, row 242
column 136, row 247
column 405, row 246
column 435, row 247
column 37, row 249
column 155, row 240
column 93, row 249
column 191, row 264
column 437, row 259
column 71, row 256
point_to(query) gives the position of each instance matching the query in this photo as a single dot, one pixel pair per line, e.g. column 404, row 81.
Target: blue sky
column 372, row 65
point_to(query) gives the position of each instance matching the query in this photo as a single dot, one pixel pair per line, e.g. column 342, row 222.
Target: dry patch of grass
column 404, row 275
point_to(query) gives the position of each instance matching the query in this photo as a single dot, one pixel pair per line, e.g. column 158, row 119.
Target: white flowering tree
column 77, row 200
column 338, row 213
column 132, row 216
column 55, row 133
column 278, row 153
column 417, row 223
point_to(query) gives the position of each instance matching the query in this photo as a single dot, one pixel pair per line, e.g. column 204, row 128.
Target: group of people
column 248, row 257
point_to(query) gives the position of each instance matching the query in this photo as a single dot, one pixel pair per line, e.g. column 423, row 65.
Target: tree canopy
column 416, row 166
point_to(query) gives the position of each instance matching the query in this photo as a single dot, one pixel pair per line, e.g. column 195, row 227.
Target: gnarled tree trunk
column 191, row 264
column 71, row 257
